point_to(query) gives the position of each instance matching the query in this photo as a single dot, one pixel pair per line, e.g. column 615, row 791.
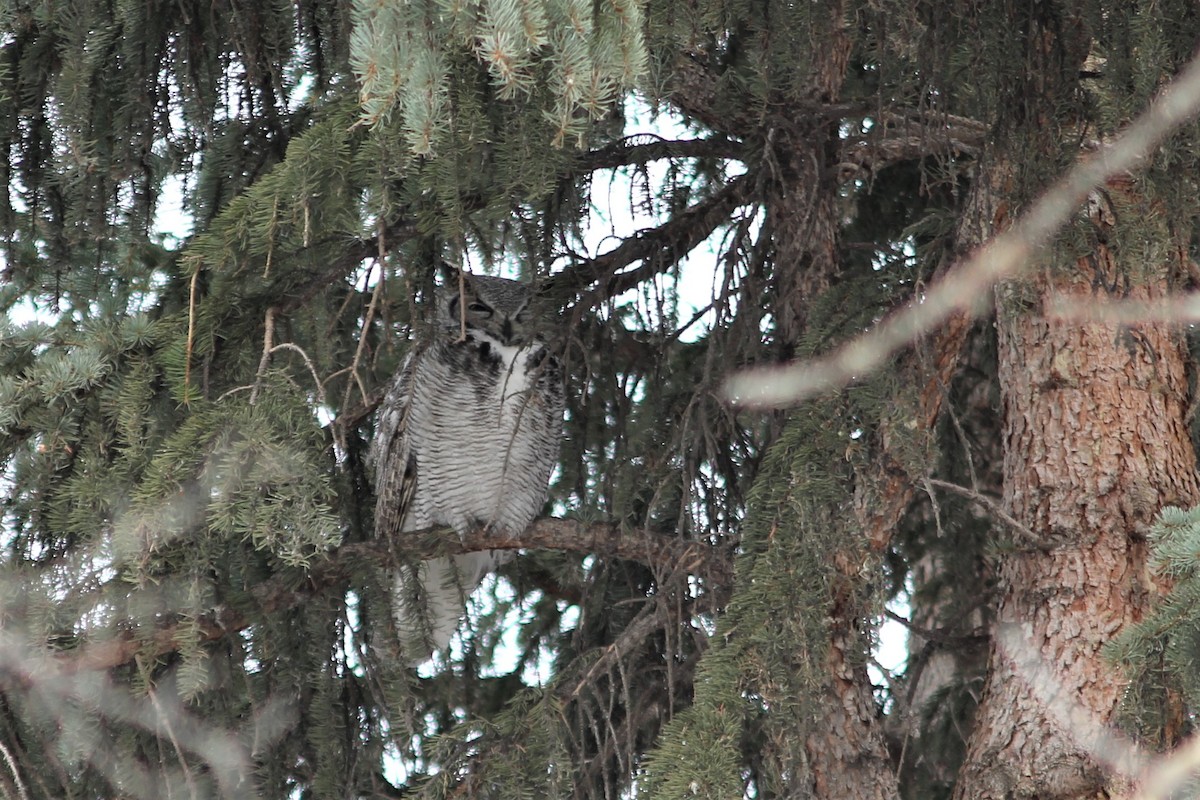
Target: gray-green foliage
column 1160, row 652
column 166, row 462
column 569, row 61
column 750, row 680
column 149, row 490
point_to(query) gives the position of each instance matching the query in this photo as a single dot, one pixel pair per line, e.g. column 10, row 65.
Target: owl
column 467, row 435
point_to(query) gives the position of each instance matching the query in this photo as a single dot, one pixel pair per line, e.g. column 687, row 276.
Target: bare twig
column 191, row 333
column 308, row 362
column 165, row 721
column 362, row 338
column 462, row 305
column 645, row 624
column 353, row 253
column 11, row 763
column 993, row 508
column 265, row 359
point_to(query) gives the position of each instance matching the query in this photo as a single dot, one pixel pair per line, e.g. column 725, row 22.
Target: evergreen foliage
column 1159, row 652
column 185, row 607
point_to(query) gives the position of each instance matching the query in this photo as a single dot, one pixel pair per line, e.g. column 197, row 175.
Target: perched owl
column 468, row 433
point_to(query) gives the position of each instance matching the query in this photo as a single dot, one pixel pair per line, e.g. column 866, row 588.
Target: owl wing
column 391, row 453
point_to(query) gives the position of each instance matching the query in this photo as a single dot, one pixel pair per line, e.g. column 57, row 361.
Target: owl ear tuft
column 451, row 298
column 448, row 271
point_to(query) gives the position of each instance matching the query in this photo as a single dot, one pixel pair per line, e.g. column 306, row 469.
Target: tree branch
column 657, row 248
column 645, row 147
column 335, row 572
column 993, row 508
column 355, row 252
column 898, row 138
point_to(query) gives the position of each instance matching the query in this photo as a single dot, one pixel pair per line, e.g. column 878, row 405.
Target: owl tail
column 429, row 606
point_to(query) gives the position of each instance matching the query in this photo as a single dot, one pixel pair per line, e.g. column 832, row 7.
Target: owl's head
column 503, row 309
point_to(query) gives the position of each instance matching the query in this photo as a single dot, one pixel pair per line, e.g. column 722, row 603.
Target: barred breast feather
column 468, row 435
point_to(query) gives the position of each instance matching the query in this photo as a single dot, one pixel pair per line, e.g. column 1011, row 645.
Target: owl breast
column 485, row 420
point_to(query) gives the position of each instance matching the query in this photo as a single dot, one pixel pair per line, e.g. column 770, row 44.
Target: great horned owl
column 468, row 433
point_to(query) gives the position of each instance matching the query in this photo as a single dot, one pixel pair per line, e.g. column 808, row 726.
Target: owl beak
column 506, row 331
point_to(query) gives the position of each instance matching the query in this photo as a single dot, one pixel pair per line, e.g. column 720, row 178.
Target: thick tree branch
column 695, row 90
column 643, row 148
column 897, row 138
column 894, row 136
column 657, row 248
column 334, row 574
column 894, row 490
column 901, row 138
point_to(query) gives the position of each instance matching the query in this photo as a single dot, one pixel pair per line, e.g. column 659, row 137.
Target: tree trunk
column 804, row 218
column 961, row 351
column 804, row 225
column 1095, row 443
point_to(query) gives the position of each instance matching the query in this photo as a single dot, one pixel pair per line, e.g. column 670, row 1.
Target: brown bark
column 804, row 218
column 892, row 489
column 849, row 729
column 1095, row 444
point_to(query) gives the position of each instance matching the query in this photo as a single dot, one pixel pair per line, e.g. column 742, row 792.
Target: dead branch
column 993, row 508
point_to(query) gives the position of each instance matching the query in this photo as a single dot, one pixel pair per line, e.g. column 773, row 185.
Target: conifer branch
column 694, row 90
column 895, row 136
column 356, row 251
column 334, row 574
column 671, row 236
column 644, row 148
column 606, row 539
column 657, row 248
column 1006, row 255
column 906, row 138
column 349, row 419
column 634, row 635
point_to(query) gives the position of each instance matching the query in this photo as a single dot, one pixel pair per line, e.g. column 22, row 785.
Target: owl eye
column 477, row 307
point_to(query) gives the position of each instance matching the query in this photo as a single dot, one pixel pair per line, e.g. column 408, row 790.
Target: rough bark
column 1095, row 444
column 850, row 732
column 804, row 218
